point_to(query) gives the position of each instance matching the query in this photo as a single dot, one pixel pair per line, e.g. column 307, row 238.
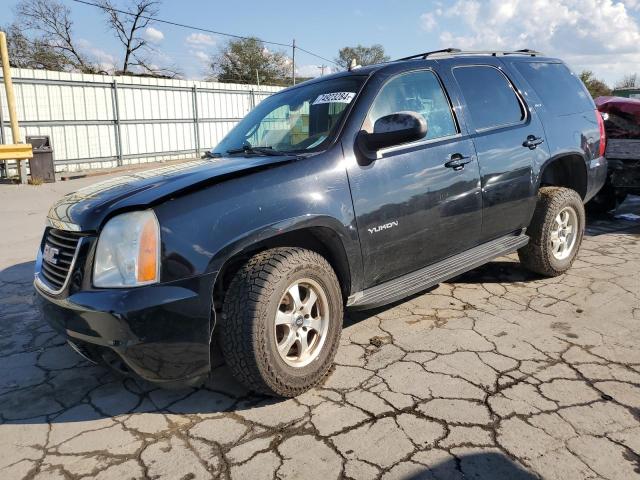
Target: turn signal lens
column 148, row 252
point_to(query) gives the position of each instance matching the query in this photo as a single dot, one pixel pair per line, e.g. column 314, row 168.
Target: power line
column 315, row 55
column 176, row 24
column 192, row 27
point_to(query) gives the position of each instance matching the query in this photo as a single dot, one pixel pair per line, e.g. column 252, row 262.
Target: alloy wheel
column 301, row 322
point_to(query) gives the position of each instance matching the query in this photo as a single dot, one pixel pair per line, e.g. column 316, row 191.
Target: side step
column 426, row 277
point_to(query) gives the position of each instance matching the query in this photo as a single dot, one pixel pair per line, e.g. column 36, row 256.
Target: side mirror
column 394, row 129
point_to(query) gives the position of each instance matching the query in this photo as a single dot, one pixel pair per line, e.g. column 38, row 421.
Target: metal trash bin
column 41, row 165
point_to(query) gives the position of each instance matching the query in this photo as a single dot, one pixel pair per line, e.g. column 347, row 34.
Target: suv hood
column 88, row 207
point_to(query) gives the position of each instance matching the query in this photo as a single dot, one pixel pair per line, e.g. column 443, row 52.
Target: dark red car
column 622, row 124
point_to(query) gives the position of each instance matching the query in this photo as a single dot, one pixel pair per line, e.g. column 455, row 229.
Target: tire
column 259, row 293
column 544, row 254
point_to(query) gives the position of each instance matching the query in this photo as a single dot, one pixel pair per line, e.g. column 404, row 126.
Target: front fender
column 350, row 249
column 202, row 230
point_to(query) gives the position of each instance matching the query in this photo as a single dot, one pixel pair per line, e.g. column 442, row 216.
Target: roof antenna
column 354, row 64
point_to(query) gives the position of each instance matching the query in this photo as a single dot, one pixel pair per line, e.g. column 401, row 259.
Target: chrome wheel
column 302, row 322
column 564, row 230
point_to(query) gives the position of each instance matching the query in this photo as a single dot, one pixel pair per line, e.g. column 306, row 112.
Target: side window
column 561, row 91
column 416, row 92
column 489, row 96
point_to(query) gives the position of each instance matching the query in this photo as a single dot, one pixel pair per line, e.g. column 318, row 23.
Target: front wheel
column 556, row 232
column 282, row 319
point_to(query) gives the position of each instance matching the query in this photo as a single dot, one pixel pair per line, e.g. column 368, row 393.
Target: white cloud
column 428, row 21
column 602, row 35
column 200, row 40
column 201, row 56
column 153, row 35
column 105, row 60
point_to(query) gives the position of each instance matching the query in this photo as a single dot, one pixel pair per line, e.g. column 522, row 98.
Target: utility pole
column 258, row 78
column 322, row 67
column 293, row 57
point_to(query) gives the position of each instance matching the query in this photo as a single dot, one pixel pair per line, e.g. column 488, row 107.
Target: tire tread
column 246, row 303
column 536, row 255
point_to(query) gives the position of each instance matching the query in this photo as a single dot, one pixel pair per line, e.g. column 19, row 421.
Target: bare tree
column 51, row 20
column 25, row 52
column 128, row 25
column 628, row 81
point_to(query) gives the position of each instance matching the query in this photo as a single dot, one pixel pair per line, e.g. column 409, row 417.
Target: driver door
column 412, row 207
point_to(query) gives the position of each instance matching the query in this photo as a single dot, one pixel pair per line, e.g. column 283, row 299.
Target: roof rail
column 524, row 51
column 426, row 54
column 457, row 51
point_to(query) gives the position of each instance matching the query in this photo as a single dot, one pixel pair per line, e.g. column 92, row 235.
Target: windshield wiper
column 269, row 151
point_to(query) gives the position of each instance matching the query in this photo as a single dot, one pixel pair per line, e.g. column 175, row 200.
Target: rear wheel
column 282, row 318
column 556, row 232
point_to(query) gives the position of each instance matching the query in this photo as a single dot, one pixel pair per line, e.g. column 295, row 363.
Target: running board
column 424, row 278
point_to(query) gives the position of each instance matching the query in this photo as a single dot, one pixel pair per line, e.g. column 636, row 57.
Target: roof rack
column 457, row 51
column 427, row 54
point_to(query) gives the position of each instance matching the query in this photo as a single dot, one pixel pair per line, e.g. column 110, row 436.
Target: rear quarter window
column 560, row 91
column 490, row 97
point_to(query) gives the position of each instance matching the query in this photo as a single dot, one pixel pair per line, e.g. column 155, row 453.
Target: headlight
column 128, row 252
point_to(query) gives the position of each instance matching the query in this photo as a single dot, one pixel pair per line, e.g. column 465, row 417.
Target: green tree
column 596, row 87
column 363, row 55
column 247, row 60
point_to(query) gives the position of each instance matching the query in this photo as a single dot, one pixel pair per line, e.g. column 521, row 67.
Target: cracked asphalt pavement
column 496, row 374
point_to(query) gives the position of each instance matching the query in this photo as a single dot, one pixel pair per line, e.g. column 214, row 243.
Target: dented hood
column 87, row 208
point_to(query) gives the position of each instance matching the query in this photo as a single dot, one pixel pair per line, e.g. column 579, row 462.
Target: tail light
column 603, row 135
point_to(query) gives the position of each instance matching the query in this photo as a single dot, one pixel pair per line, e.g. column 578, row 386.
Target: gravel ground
column 497, row 374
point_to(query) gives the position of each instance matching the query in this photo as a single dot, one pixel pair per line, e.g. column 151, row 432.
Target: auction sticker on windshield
column 335, row 97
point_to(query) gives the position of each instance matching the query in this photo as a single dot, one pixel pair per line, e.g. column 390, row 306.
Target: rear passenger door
column 509, row 140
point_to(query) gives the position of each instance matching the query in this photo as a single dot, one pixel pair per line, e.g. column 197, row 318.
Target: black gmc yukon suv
column 352, row 190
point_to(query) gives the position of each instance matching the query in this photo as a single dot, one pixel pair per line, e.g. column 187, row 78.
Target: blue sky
column 600, row 35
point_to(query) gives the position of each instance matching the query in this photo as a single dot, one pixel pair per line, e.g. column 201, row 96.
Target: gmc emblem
column 50, row 254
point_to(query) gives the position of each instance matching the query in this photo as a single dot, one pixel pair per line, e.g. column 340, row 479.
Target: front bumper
column 162, row 332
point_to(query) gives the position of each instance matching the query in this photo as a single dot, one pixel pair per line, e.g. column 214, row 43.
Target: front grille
column 58, row 252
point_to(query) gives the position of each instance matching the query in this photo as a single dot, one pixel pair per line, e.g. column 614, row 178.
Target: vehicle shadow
column 489, row 465
column 624, row 220
column 43, row 381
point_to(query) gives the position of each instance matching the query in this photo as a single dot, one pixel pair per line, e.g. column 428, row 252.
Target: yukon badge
column 379, row 228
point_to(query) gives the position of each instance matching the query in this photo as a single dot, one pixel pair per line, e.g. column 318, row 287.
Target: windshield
column 302, row 119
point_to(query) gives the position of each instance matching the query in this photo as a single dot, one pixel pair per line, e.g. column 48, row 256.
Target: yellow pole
column 11, row 101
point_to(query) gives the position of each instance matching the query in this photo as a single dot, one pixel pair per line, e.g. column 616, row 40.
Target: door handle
column 457, row 161
column 532, row 142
